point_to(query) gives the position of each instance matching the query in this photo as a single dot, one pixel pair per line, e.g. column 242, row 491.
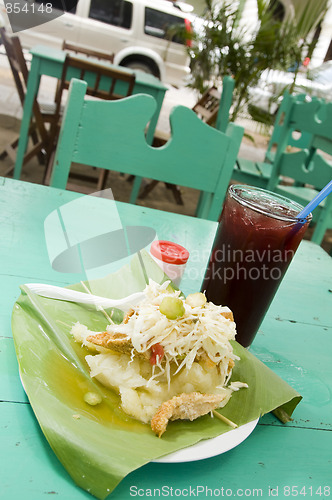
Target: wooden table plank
column 305, row 294
column 265, row 460
column 301, row 355
column 11, row 389
column 31, row 470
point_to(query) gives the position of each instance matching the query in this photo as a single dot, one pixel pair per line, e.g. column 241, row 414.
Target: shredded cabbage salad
column 201, row 333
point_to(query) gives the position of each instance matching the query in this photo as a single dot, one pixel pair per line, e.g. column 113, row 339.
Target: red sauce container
column 171, row 257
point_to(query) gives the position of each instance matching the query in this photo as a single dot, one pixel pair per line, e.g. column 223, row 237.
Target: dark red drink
column 255, row 243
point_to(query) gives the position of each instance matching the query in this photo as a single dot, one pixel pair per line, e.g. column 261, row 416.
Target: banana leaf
column 100, row 445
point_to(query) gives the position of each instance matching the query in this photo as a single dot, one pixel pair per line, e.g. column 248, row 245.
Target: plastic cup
column 256, row 240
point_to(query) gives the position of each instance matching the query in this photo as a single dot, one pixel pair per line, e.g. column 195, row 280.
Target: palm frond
column 225, row 46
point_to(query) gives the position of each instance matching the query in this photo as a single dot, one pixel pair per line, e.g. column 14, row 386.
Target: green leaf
column 94, row 442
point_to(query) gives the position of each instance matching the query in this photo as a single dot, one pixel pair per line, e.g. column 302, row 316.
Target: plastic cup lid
column 169, row 252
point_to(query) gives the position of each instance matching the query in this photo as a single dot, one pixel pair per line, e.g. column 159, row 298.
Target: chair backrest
column 110, row 135
column 78, row 49
column 103, row 82
column 314, row 117
column 20, row 73
column 307, row 166
column 206, row 108
column 304, row 168
column 297, row 139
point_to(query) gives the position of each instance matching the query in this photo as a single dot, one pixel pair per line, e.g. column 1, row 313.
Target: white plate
column 211, row 447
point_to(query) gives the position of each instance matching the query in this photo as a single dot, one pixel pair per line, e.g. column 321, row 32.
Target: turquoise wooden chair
column 311, row 168
column 258, row 173
column 110, row 135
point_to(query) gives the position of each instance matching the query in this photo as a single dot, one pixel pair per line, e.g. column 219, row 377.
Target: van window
column 66, row 6
column 158, row 23
column 116, row 12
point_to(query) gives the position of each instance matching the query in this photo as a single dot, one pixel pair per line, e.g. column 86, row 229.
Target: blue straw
column 316, row 201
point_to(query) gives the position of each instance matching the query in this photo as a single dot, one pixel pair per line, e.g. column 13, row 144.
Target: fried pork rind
column 81, row 333
column 184, row 407
column 116, row 342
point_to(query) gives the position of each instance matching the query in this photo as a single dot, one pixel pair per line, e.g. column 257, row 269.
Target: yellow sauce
column 70, row 384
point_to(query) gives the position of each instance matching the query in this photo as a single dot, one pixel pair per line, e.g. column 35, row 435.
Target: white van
column 135, row 31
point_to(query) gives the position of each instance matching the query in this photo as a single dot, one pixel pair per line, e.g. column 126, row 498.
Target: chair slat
column 78, row 49
column 317, row 173
column 314, row 117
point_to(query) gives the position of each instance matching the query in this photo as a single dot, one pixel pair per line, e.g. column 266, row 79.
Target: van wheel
column 141, row 66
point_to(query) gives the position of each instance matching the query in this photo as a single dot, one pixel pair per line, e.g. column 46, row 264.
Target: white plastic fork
column 57, row 292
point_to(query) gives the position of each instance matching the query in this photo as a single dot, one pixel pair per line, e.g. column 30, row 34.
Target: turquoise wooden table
column 48, row 61
column 295, row 341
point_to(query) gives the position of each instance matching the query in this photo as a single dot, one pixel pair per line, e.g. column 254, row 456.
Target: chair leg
column 48, row 169
column 200, row 203
column 319, row 232
column 148, row 188
column 135, row 189
column 102, row 180
column 175, row 190
column 203, row 205
column 41, row 155
column 324, row 221
column 10, row 150
column 176, row 193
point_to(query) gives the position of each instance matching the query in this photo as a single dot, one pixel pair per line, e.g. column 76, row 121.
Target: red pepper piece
column 157, row 351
